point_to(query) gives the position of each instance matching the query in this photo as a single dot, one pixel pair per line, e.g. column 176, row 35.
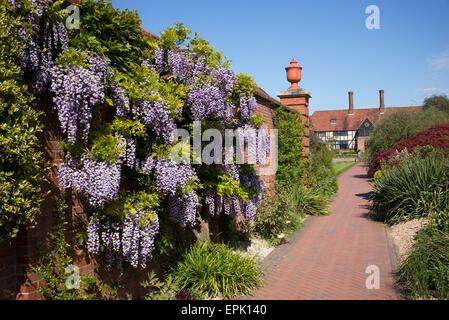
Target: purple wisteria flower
column 132, row 240
column 99, row 181
column 183, row 210
column 170, row 176
column 76, row 90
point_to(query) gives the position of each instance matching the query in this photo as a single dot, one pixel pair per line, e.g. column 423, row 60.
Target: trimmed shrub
column 425, row 272
column 437, row 136
column 414, row 189
column 215, row 269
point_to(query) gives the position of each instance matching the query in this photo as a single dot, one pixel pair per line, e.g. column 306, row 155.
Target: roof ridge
column 376, row 108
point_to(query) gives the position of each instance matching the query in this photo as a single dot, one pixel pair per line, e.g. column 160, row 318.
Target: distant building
column 349, row 129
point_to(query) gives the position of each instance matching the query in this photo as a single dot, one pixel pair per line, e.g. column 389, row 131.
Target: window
column 340, row 133
column 333, row 121
column 340, row 145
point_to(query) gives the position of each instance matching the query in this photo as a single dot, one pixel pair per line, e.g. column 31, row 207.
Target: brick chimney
column 297, row 98
column 351, row 103
column 382, row 104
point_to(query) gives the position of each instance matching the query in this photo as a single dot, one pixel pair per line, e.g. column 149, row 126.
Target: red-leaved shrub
column 437, row 136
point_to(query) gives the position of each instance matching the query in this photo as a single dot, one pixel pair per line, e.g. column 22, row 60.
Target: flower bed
column 437, row 136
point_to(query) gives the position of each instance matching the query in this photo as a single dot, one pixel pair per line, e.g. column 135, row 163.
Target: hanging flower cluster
column 133, row 241
column 42, row 41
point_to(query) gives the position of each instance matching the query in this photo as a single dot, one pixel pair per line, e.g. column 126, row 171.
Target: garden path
column 328, row 258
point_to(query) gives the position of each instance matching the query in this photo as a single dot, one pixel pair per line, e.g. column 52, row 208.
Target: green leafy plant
column 117, row 37
column 291, row 164
column 159, row 289
column 324, row 179
column 21, row 164
column 377, row 175
column 321, row 173
column 310, row 201
column 215, row 269
column 440, row 215
column 54, row 266
column 278, row 216
column 425, row 271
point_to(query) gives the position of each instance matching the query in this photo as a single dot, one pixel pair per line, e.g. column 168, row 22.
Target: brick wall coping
column 294, row 93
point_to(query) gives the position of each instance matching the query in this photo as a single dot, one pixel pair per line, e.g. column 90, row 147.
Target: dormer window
column 333, row 121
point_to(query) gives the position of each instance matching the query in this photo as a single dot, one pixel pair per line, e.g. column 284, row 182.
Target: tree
column 440, row 102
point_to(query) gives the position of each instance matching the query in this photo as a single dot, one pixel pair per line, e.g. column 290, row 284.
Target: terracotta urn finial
column 293, row 74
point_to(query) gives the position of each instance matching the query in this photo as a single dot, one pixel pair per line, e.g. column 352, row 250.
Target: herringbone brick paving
column 329, row 258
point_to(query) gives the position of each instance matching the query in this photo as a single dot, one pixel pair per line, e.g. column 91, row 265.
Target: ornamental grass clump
column 425, row 272
column 310, row 201
column 215, row 269
column 412, row 190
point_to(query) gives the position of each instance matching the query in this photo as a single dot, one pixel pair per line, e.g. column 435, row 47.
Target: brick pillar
column 297, row 98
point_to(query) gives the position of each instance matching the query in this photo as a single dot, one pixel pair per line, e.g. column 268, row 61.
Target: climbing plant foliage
column 21, row 169
column 291, row 164
column 118, row 96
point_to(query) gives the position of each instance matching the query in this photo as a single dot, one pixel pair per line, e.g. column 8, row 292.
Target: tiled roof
column 260, row 93
column 147, row 33
column 321, row 120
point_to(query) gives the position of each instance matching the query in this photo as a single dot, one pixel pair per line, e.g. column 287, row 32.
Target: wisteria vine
column 171, row 87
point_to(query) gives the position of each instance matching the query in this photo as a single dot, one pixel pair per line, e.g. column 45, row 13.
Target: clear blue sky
column 408, row 56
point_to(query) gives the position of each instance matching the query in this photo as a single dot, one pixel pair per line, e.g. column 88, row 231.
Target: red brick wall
column 361, row 143
column 266, row 109
column 17, row 281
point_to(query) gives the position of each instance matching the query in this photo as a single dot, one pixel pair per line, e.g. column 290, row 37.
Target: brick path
column 327, row 259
